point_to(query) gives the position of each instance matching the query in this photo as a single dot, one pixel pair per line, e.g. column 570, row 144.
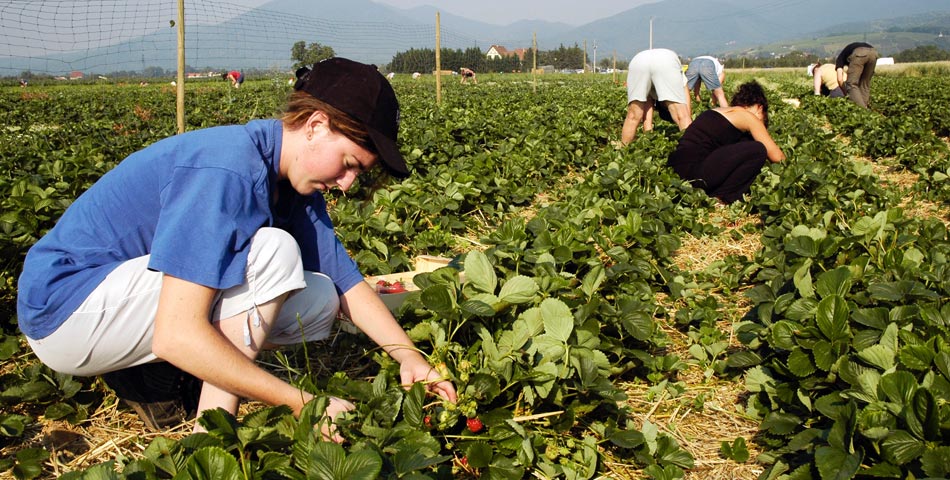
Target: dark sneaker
column 161, row 394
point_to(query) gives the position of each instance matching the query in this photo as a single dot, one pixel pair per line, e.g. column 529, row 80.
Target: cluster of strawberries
column 383, row 286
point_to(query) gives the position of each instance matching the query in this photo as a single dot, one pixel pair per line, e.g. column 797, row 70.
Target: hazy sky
column 503, row 12
column 572, row 12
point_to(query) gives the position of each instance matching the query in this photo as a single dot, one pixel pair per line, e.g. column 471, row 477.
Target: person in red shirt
column 236, row 78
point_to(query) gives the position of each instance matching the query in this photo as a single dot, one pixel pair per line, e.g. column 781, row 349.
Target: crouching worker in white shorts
column 655, row 77
column 172, row 272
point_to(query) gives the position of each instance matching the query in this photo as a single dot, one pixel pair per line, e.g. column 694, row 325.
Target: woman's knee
column 309, row 313
column 275, row 243
column 274, row 267
column 275, row 252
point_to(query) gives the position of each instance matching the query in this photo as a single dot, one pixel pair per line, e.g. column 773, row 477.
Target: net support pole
column 615, row 67
column 534, row 66
column 584, row 58
column 180, row 95
column 438, row 61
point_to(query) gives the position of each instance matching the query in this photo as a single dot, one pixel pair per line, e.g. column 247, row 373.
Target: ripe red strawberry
column 474, row 424
column 427, row 421
column 383, row 286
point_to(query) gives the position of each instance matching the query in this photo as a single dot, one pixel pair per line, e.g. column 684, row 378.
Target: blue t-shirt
column 192, row 202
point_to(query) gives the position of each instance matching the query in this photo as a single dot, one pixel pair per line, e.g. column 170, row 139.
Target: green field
column 613, row 322
column 887, row 43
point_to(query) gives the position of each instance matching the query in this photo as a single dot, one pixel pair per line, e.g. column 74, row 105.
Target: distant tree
column 796, row 59
column 529, row 59
column 504, row 64
column 922, row 53
column 153, row 72
column 422, row 60
column 472, row 58
column 791, row 59
column 414, row 60
column 308, row 55
column 563, row 57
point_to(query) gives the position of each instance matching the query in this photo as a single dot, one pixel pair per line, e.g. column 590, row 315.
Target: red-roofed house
column 76, row 75
column 497, row 51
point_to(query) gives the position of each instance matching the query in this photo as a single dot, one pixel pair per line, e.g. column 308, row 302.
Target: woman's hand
column 335, row 408
column 416, row 369
column 369, row 313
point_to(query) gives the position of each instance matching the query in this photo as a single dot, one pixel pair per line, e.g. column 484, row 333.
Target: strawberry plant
column 565, row 244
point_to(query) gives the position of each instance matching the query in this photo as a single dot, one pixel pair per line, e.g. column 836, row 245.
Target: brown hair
column 301, row 105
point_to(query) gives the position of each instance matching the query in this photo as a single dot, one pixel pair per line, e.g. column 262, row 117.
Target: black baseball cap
column 360, row 91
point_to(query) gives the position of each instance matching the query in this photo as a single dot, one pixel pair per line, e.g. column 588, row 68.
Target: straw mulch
column 710, row 410
column 895, row 176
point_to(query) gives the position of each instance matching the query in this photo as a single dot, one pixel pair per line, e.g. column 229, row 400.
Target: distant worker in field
column 825, row 80
column 390, row 75
column 236, row 78
column 166, row 300
column 655, row 77
column 23, row 82
column 468, row 74
column 712, row 74
column 724, row 149
column 860, row 58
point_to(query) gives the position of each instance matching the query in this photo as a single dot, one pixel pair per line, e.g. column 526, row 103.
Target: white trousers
column 113, row 327
column 656, row 73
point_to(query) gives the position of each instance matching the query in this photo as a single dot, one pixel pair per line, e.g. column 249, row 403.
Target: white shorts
column 113, row 327
column 657, row 74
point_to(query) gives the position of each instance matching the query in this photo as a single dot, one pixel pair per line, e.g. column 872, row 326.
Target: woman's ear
column 318, row 119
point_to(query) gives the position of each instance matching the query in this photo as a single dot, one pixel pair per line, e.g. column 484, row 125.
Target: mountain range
column 373, row 32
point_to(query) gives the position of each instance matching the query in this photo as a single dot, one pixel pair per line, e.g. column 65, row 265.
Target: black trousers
column 728, row 172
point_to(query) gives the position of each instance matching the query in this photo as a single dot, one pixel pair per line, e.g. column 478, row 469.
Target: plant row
column 565, row 244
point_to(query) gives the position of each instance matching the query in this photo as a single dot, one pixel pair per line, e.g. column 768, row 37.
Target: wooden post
column 534, row 68
column 180, row 95
column 438, row 61
column 584, row 58
column 615, row 67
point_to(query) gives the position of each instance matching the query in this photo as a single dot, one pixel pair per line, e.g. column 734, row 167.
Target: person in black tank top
column 724, row 149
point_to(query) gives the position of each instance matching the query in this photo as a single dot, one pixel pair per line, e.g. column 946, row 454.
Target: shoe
column 160, row 393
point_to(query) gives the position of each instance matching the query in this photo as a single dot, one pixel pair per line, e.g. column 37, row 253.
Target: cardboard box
column 422, row 263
